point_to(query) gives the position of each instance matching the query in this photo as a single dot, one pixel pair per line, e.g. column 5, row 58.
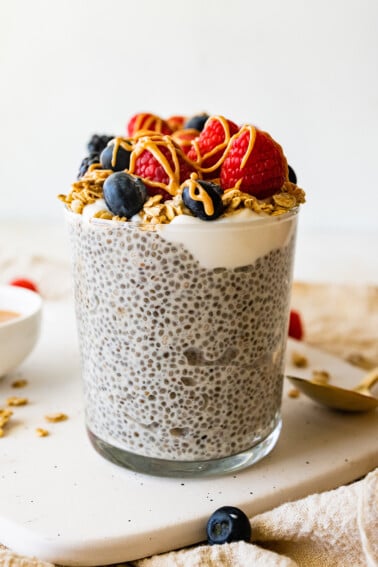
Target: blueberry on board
column 197, row 207
column 124, row 194
column 228, row 524
column 87, row 161
column 292, row 175
column 122, row 158
column 197, row 122
column 98, row 142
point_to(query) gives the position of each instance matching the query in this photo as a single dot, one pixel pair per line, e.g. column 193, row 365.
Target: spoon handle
column 370, row 379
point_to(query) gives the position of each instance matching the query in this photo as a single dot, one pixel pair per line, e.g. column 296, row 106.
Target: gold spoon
column 357, row 399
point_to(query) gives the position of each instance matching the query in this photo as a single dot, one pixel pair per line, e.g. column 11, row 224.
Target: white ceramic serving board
column 60, row 501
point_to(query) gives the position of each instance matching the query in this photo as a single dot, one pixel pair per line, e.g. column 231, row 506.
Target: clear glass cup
column 182, row 332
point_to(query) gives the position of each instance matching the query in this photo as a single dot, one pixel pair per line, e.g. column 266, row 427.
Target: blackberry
column 87, row 161
column 97, row 143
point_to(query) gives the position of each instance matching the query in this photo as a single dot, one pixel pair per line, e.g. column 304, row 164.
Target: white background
column 304, row 71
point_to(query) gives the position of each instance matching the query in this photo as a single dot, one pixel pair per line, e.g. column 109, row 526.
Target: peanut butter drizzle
column 144, row 140
column 185, row 131
column 141, row 121
column 222, row 146
column 251, row 142
column 119, row 143
column 89, row 188
column 198, row 193
column 237, row 184
column 179, row 136
column 152, row 144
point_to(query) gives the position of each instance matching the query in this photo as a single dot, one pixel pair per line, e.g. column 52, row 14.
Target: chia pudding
column 182, row 322
column 180, row 361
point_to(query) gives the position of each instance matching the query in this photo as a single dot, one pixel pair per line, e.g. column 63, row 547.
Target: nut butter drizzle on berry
column 185, row 136
column 120, row 143
column 251, row 142
column 222, row 146
column 151, row 144
column 146, row 141
column 145, row 121
column 198, row 193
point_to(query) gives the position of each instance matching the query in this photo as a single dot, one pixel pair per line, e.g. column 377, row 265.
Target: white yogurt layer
column 231, row 241
column 234, row 240
column 90, row 210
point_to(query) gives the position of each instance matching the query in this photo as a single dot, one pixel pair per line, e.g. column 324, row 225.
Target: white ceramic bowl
column 19, row 335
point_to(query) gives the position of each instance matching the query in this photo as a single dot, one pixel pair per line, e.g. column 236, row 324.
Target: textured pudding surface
column 180, row 362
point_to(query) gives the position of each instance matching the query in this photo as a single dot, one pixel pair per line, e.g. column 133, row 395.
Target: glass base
column 168, row 468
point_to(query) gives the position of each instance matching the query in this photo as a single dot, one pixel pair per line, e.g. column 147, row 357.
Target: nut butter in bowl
column 20, row 320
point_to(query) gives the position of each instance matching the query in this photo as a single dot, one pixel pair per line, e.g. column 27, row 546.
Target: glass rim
column 201, row 224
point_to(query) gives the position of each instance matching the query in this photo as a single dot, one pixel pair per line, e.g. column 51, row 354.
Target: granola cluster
column 89, row 189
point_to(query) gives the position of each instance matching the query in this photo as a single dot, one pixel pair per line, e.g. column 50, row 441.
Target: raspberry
column 176, row 122
column 265, row 168
column 153, row 170
column 210, row 148
column 184, row 138
column 295, row 326
column 23, row 282
column 147, row 121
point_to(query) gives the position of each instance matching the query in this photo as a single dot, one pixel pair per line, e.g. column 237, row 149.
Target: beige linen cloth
column 338, row 528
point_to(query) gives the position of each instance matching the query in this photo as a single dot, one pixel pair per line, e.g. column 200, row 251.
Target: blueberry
column 124, row 194
column 122, row 160
column 228, row 524
column 197, row 122
column 197, row 206
column 292, row 175
column 97, row 143
column 87, row 161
